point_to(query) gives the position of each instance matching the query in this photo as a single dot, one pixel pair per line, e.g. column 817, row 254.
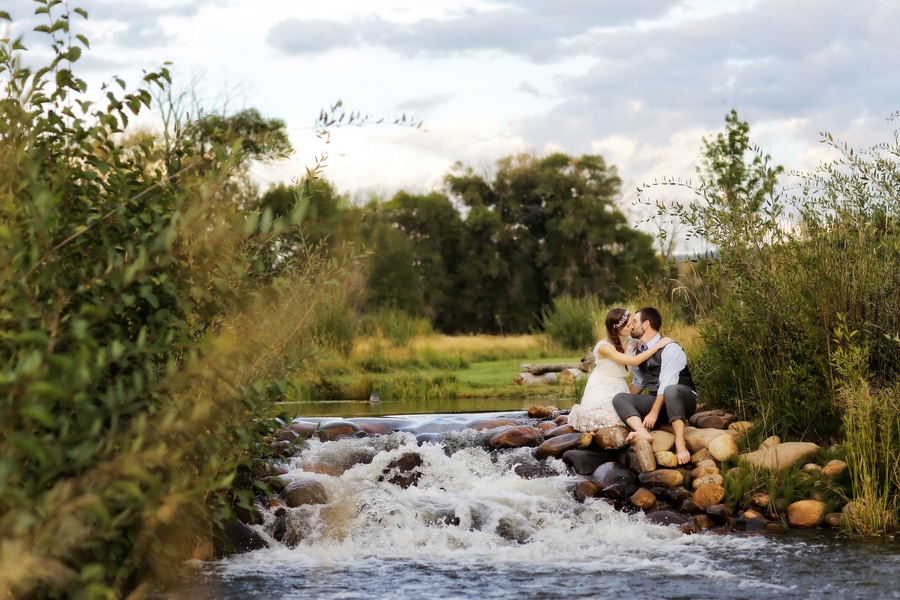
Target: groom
column 671, row 395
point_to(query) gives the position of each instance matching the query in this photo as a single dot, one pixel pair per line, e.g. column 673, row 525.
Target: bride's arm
column 607, row 351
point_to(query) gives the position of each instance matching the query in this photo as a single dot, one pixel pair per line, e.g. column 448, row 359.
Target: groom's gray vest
column 650, row 374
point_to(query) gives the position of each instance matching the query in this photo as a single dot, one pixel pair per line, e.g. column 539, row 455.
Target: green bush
column 396, row 326
column 571, row 322
column 334, row 326
column 142, row 335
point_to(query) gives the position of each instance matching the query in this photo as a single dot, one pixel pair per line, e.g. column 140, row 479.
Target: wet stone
column 585, row 462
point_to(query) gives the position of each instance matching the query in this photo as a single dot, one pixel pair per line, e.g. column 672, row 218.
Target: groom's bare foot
column 638, row 435
column 682, row 454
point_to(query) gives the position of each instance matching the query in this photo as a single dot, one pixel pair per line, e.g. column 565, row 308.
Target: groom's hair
column 648, row 313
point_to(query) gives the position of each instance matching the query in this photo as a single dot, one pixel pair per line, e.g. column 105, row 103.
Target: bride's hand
column 665, row 342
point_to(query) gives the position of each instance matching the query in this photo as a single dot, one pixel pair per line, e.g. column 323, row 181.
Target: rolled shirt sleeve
column 673, row 361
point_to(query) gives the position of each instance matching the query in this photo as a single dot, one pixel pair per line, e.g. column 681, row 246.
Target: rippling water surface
column 472, row 528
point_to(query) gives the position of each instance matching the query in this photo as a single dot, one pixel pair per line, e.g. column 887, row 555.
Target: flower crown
column 623, row 320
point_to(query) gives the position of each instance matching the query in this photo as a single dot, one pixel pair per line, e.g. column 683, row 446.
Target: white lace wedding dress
column 605, row 381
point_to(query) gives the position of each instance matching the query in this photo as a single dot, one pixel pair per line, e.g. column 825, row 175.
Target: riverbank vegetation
column 156, row 306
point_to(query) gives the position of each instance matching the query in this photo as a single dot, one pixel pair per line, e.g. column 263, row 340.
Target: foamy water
column 472, row 527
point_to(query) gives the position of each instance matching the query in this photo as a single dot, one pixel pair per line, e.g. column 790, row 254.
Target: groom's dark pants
column 680, row 403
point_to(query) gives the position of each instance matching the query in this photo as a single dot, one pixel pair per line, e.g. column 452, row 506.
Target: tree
column 558, row 233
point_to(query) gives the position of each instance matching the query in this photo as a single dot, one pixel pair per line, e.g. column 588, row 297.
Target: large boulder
column 585, row 462
column 780, row 456
column 515, row 436
column 556, row 446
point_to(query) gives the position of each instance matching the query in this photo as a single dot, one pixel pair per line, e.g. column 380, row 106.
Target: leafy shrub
column 143, row 337
column 570, row 322
column 334, row 326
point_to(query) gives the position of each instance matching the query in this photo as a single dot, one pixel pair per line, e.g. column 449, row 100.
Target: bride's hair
column 615, row 320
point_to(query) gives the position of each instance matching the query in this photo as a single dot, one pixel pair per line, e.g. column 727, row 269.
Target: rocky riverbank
column 638, row 478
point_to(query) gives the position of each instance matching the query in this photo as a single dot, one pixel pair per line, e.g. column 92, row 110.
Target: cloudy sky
column 637, row 81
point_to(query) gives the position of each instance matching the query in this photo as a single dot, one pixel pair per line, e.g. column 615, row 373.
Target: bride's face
column 626, row 329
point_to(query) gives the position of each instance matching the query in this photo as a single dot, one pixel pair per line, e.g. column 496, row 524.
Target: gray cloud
column 538, row 30
column 305, row 37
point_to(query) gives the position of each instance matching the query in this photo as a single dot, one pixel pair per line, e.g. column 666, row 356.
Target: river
column 471, row 527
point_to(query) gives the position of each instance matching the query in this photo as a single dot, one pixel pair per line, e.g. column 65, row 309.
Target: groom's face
column 638, row 330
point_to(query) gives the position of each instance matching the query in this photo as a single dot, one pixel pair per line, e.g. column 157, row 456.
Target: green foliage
column 572, row 322
column 395, row 326
column 785, row 268
column 335, row 326
column 141, row 338
column 490, row 255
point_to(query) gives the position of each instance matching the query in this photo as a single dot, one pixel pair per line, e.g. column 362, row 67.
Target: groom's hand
column 650, row 419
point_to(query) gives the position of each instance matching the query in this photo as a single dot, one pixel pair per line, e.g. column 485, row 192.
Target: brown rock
column 541, row 412
column 782, row 456
column 833, row 469
column 835, row 520
column 611, row 438
column 703, row 471
column 515, row 436
column 712, row 419
column 741, row 426
column 697, row 439
column 666, row 517
column 643, row 499
column 806, row 513
column 585, row 462
column 403, row 471
column 640, row 457
column 666, row 478
column 761, row 499
column 707, row 495
column 560, row 430
column 336, row 430
column 663, row 441
column 723, row 447
column 300, row 492
column 666, row 459
column 701, row 455
column 483, row 424
column 715, row 478
column 615, row 480
column 704, row 521
column 586, row 489
column 769, row 442
column 557, row 445
column 546, row 425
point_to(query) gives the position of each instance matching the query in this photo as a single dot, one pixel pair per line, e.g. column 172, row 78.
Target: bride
column 614, row 357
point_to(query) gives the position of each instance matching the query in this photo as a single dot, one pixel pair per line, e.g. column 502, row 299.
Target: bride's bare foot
column 638, row 435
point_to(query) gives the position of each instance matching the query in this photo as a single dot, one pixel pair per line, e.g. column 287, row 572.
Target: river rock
column 715, row 478
column 611, row 438
column 833, row 469
column 542, row 412
column 711, row 419
column 835, row 520
column 237, row 537
column 300, row 492
column 556, row 446
column 706, row 469
column 666, row 459
column 666, row 517
column 663, row 441
column 585, row 462
column 769, row 442
column 806, row 513
column 304, row 429
column 337, row 430
column 708, row 495
column 404, row 470
column 783, row 456
column 586, row 489
column 483, row 424
column 560, row 430
column 723, row 447
column 546, row 426
column 666, row 478
column 381, row 425
column 700, row 456
column 696, row 439
column 615, row 480
column 741, row 427
column 515, row 436
column 640, row 457
column 643, row 499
